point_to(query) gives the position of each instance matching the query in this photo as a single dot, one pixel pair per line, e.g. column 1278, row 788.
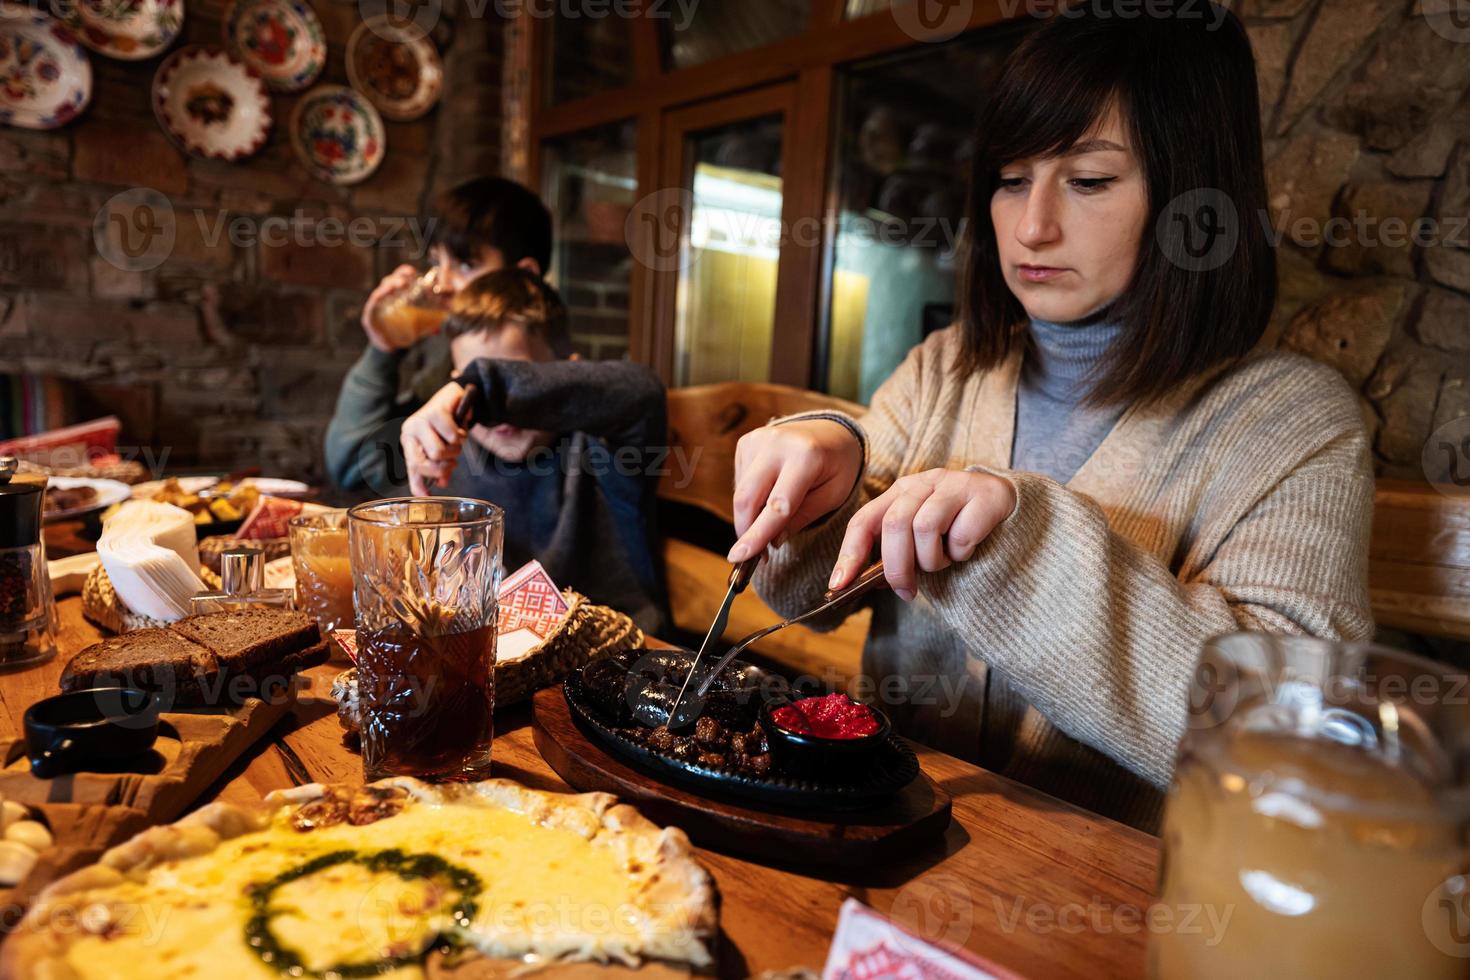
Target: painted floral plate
column 281, row 39
column 211, row 104
column 338, row 134
column 398, row 69
column 45, row 75
column 126, row 29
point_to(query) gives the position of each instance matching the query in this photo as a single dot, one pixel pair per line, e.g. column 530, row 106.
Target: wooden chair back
column 1419, row 560
column 705, row 423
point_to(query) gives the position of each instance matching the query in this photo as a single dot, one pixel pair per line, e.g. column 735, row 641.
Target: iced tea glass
column 1316, row 821
column 323, row 568
column 425, row 574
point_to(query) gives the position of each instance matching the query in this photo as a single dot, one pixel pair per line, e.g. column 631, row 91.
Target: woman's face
column 1068, row 228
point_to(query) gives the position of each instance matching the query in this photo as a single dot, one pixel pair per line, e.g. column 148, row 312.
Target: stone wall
column 228, row 353
column 1367, row 113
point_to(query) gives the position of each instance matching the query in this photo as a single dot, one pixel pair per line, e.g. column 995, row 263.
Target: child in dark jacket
column 569, row 448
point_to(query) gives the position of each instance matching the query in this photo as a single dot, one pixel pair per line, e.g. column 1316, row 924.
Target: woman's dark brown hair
column 1182, row 74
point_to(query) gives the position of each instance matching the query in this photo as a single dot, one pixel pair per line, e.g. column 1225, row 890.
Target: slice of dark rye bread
column 204, row 659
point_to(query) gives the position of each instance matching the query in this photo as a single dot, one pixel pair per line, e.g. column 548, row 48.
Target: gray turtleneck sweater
column 1055, row 431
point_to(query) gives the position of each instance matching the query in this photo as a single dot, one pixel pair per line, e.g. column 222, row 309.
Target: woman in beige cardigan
column 1093, row 470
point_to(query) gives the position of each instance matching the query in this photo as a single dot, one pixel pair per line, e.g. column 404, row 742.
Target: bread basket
column 587, row 631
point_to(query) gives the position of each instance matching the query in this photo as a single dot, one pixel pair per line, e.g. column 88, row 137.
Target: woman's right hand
column 396, row 281
column 787, row 476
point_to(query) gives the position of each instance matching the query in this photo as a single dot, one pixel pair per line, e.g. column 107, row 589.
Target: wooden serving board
column 912, row 816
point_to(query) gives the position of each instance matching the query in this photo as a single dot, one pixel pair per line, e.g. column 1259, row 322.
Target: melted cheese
column 546, row 890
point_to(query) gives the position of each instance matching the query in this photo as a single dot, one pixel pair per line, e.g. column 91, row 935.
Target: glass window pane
column 726, row 302
column 715, row 28
column 901, row 169
column 589, row 55
column 590, row 185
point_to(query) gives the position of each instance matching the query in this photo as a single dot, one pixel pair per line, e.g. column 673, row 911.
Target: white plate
column 194, row 484
column 47, row 78
column 211, row 104
column 337, row 134
column 109, row 492
column 397, row 69
column 130, row 30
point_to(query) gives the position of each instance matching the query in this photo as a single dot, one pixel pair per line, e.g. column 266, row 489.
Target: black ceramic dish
column 82, row 729
column 889, row 766
column 812, row 754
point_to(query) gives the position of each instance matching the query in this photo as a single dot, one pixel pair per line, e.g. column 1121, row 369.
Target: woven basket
column 101, row 605
column 587, row 631
column 211, row 548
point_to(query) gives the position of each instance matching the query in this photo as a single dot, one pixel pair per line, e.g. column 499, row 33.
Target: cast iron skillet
column 891, row 767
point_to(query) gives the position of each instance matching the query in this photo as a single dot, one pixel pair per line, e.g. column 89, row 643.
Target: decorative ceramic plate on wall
column 397, row 69
column 338, row 134
column 211, row 104
column 125, row 29
column 281, row 39
column 45, row 75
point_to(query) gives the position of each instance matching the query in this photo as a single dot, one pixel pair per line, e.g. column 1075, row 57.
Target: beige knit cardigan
column 1061, row 653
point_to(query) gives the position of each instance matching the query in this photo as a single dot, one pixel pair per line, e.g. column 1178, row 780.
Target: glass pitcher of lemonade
column 1316, row 823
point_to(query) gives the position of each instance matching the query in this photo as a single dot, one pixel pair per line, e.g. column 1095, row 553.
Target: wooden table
column 1024, row 880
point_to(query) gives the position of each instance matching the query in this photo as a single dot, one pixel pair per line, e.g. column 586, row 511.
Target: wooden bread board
column 913, row 816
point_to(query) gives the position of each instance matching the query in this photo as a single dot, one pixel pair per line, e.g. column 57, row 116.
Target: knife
column 740, row 577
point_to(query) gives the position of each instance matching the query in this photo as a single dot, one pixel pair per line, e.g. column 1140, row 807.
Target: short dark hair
column 493, row 212
column 1183, row 77
column 489, row 301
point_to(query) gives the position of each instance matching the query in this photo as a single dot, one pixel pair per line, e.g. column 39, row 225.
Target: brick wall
column 1367, row 113
column 228, row 353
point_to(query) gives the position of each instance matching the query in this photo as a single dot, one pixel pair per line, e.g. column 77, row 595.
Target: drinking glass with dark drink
column 425, row 572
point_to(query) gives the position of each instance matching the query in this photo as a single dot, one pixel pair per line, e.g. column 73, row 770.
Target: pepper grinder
column 27, row 608
column 242, row 585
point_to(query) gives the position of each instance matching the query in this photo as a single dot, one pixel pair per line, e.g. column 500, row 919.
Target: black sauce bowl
column 82, row 728
column 813, row 755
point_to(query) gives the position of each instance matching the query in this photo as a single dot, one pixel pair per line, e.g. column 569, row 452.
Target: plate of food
column 282, row 40
column 71, row 497
column 398, row 69
column 365, row 880
column 211, row 104
column 337, row 134
column 756, row 739
column 47, row 74
column 219, row 506
column 129, row 30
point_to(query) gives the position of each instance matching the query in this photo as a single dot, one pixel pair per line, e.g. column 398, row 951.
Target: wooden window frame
column 661, row 100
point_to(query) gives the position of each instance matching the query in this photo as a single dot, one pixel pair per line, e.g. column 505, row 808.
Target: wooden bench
column 1419, row 571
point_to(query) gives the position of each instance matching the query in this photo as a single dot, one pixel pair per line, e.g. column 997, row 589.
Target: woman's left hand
column 926, row 521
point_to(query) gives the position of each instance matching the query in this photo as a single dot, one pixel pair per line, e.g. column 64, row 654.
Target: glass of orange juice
column 415, row 312
column 1316, row 821
column 323, row 569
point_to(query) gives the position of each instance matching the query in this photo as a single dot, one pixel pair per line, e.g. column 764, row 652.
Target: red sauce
column 832, row 716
